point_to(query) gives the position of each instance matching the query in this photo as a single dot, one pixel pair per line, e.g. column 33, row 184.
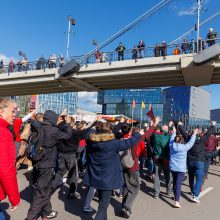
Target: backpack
column 127, row 160
column 34, row 149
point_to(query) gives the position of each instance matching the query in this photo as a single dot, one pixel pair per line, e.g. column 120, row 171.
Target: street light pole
column 68, row 38
column 198, row 24
column 70, row 20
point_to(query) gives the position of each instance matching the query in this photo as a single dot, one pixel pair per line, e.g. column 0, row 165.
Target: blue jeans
column 2, row 216
column 178, row 178
column 195, row 170
column 104, row 200
column 150, row 165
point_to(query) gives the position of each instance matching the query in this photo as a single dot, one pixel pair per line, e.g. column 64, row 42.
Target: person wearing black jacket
column 52, row 136
column 195, row 160
column 68, row 159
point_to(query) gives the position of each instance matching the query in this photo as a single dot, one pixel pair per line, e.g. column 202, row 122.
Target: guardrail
column 138, row 53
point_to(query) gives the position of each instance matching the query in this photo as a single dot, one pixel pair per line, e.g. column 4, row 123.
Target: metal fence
column 148, row 51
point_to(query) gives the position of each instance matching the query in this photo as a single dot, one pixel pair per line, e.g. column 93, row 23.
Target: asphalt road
column 145, row 206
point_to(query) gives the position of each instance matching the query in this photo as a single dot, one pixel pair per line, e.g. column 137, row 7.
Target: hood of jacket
column 50, row 117
column 99, row 137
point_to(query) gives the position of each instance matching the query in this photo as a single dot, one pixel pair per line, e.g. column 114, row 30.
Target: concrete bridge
column 147, row 72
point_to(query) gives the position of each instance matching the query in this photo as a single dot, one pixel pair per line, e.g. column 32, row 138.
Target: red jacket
column 8, row 180
column 138, row 148
column 211, row 143
column 17, row 127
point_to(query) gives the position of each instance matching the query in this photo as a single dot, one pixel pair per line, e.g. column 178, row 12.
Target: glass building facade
column 215, row 116
column 189, row 104
column 120, row 102
column 58, row 102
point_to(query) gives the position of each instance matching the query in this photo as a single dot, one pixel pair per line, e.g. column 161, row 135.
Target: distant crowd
column 138, row 52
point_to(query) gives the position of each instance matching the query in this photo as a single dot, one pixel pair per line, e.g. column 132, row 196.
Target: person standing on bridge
column 141, row 48
column 176, row 51
column 185, row 46
column 135, row 52
column 211, row 37
column 163, row 49
column 120, row 49
column 11, row 66
column 2, row 66
column 8, row 180
column 157, row 50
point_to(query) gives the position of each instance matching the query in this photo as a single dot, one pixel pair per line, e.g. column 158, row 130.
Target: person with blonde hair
column 8, row 179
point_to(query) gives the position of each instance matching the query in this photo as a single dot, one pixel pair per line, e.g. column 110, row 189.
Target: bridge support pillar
column 196, row 75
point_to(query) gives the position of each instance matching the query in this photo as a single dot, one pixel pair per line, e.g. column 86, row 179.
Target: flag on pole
column 134, row 103
column 143, row 105
column 150, row 113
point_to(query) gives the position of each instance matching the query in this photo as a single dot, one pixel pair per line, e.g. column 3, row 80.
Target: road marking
column 205, row 191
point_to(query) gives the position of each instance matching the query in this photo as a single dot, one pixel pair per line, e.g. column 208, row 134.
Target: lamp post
column 73, row 22
column 198, row 24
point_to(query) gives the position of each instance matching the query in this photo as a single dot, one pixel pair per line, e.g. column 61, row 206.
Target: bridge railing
column 148, row 51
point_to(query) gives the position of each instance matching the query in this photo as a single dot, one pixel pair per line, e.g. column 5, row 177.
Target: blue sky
column 37, row 27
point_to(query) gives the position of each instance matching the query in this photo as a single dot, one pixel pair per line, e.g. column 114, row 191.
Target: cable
column 126, row 28
column 193, row 29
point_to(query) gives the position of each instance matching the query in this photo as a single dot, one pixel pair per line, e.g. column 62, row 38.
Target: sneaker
column 64, row 180
column 156, row 196
column 120, row 196
column 177, row 205
column 88, row 209
column 53, row 214
column 125, row 213
column 195, row 199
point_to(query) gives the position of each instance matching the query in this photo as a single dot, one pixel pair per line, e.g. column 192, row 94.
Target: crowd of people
column 24, row 65
column 138, row 52
column 109, row 157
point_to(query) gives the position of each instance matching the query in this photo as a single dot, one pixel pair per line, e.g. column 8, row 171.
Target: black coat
column 197, row 152
column 52, row 136
column 104, row 169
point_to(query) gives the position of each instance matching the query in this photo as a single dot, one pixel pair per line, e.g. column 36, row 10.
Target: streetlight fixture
column 73, row 22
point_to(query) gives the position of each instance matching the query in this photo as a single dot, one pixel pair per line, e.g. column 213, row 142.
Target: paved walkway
column 145, row 207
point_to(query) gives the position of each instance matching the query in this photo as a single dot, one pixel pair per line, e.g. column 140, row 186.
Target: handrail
column 148, row 51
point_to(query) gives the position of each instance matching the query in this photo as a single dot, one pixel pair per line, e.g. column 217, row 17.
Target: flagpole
column 141, row 116
column 132, row 113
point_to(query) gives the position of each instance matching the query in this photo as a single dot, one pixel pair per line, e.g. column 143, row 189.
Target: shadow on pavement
column 26, row 194
column 75, row 206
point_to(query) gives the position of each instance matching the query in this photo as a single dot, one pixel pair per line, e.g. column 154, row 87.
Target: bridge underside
column 148, row 72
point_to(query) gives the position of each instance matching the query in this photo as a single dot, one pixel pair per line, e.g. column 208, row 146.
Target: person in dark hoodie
column 104, row 171
column 195, row 159
column 52, row 136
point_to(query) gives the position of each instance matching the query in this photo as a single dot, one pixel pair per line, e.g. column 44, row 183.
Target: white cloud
column 192, row 9
column 185, row 12
column 88, row 101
